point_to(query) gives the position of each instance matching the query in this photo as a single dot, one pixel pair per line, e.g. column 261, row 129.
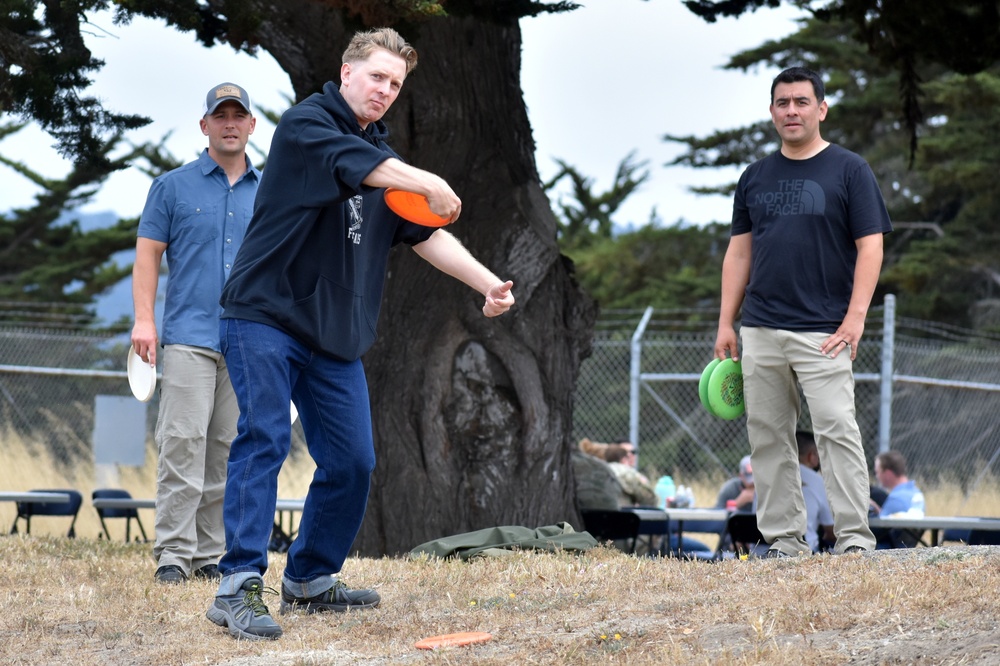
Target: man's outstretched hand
column 499, row 299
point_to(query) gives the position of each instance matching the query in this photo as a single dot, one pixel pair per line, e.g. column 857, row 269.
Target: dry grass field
column 89, row 601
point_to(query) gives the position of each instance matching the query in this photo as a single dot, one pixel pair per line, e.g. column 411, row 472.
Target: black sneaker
column 855, row 549
column 171, row 574
column 774, row 553
column 338, row 598
column 245, row 614
column 208, row 572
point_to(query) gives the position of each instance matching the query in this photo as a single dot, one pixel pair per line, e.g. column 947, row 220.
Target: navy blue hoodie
column 314, row 257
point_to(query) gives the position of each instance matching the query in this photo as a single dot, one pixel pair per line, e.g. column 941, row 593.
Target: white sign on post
column 119, row 431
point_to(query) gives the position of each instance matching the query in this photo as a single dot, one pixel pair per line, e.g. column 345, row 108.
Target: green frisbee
column 706, row 374
column 725, row 390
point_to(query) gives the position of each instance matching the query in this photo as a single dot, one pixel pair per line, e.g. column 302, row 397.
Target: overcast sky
column 609, row 78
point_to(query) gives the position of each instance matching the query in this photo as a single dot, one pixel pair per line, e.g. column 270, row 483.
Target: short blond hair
column 366, row 41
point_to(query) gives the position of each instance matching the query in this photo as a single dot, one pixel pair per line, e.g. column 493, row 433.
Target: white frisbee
column 141, row 376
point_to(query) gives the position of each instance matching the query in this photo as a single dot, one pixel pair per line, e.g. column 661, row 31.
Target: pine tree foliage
column 677, row 266
column 960, row 35
column 587, row 216
column 51, row 269
column 941, row 255
column 45, row 67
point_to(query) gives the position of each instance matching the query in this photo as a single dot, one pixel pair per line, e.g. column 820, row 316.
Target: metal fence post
column 885, row 379
column 635, row 369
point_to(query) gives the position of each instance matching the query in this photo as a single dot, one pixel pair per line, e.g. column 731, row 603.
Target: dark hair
column 627, row 445
column 614, row 453
column 805, row 441
column 892, row 461
column 796, row 74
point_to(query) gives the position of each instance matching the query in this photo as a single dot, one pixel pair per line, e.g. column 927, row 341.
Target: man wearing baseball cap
column 226, row 92
column 196, row 215
column 739, row 489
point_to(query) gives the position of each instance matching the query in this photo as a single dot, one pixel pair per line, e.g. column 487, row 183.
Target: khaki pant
column 194, row 429
column 773, row 363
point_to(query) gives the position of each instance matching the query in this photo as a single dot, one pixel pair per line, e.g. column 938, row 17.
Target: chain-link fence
column 944, row 394
column 49, row 383
column 940, row 408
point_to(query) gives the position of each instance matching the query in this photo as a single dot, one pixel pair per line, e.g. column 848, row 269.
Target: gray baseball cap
column 223, row 93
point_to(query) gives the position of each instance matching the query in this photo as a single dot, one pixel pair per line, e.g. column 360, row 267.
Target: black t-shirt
column 804, row 217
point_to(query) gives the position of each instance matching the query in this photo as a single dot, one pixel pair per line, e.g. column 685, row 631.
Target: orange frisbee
column 414, row 207
column 453, row 640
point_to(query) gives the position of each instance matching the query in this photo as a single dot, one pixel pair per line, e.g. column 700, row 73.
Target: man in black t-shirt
column 803, row 260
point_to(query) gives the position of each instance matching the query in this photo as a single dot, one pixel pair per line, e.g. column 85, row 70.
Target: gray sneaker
column 338, row 598
column 245, row 613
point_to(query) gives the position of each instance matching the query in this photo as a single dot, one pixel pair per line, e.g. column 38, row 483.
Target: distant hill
column 116, row 302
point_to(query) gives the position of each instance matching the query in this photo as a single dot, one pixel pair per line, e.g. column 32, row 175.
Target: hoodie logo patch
column 354, row 231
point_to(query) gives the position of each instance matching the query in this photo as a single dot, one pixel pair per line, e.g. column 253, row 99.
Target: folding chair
column 128, row 514
column 613, row 526
column 25, row 510
column 744, row 533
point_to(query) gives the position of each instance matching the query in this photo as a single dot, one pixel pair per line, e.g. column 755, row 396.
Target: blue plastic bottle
column 665, row 490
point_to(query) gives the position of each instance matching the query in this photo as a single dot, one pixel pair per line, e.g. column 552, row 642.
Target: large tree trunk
column 472, row 416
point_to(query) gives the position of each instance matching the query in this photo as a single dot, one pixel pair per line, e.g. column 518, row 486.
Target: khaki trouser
column 774, row 362
column 194, row 429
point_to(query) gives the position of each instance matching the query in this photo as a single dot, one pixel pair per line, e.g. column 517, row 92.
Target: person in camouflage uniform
column 636, row 489
column 595, row 484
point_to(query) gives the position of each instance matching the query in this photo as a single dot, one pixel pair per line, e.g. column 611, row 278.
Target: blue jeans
column 268, row 368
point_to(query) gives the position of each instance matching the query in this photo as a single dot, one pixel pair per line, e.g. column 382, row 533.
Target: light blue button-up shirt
column 202, row 219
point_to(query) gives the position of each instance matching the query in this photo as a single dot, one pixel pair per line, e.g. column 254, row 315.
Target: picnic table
column 657, row 522
column 34, row 496
column 936, row 524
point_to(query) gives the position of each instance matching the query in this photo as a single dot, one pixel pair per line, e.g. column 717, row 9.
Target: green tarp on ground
column 503, row 540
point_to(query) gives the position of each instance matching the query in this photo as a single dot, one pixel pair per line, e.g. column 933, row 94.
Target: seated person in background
column 877, row 499
column 595, row 449
column 634, row 490
column 904, row 499
column 640, row 492
column 595, row 484
column 740, row 488
column 819, row 517
column 635, row 487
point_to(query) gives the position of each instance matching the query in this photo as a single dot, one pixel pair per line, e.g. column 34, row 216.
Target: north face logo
column 793, row 197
